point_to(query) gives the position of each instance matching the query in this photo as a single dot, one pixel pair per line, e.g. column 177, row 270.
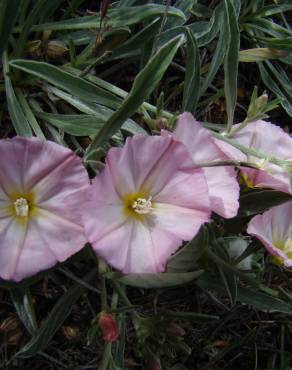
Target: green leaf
column 85, row 124
column 74, row 85
column 17, row 116
column 117, row 17
column 192, row 75
column 216, row 61
column 160, row 280
column 29, row 115
column 258, row 55
column 254, row 298
column 74, row 124
column 41, row 9
column 277, row 43
column 190, row 316
column 274, row 87
column 270, row 10
column 185, row 259
column 8, row 15
column 144, row 84
column 231, row 61
column 258, row 201
column 137, row 40
column 55, row 319
column 24, row 307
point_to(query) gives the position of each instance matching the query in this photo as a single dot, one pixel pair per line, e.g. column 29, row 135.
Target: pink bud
column 104, row 7
column 152, row 363
column 176, row 330
column 109, row 327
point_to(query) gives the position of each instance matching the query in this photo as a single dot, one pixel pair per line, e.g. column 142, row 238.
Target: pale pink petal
column 163, row 168
column 113, row 246
column 12, row 237
column 186, row 190
column 197, row 139
column 150, row 248
column 104, row 210
column 11, row 166
column 62, row 233
column 230, row 151
column 278, row 179
column 223, row 190
column 174, row 162
column 271, row 141
column 46, row 168
column 135, row 247
column 33, row 256
column 131, row 164
column 180, row 221
column 272, row 227
column 222, row 181
column 58, row 183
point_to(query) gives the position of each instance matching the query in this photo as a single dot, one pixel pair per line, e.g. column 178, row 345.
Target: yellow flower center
column 286, row 247
column 21, row 206
column 137, row 205
column 142, row 206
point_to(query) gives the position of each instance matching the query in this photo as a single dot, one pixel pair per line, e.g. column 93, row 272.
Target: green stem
column 106, row 356
column 226, row 163
column 134, row 315
column 253, row 152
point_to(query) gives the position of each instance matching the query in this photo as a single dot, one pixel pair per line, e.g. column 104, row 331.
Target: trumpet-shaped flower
column 42, row 186
column 222, row 183
column 274, row 229
column 146, row 201
column 271, row 141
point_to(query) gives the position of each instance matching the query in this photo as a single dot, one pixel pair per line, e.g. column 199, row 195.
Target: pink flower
column 274, row 229
column 42, row 187
column 222, row 183
column 109, row 327
column 147, row 200
column 271, row 141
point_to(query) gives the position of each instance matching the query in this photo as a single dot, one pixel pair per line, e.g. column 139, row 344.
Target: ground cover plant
column 145, row 184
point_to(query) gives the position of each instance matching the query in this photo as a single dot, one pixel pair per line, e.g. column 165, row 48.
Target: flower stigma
column 142, row 206
column 21, row 206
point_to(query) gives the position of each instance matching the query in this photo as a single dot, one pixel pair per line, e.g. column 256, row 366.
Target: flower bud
column 56, row 49
column 109, row 327
column 104, row 8
column 70, row 333
column 152, row 363
column 261, row 101
column 176, row 330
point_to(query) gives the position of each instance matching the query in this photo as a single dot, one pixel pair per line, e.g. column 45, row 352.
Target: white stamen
column 21, row 207
column 142, row 206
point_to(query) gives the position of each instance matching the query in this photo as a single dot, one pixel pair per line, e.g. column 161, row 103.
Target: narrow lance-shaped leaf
column 274, row 87
column 73, row 84
column 145, row 82
column 231, row 61
column 192, row 75
column 258, row 201
column 23, row 304
column 217, row 58
column 8, row 14
column 54, row 320
column 117, row 17
column 161, row 280
column 185, row 259
column 17, row 116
